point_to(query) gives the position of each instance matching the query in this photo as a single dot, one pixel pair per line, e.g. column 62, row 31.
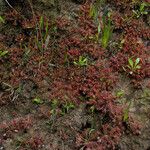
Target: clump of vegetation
column 133, row 66
column 103, row 34
column 120, row 93
column 43, row 37
column 95, row 9
column 83, row 61
column 37, row 100
column 141, row 10
column 126, row 113
column 54, row 106
column 106, row 31
column 66, row 107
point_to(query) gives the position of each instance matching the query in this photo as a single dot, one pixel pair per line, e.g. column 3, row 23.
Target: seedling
column 120, row 93
column 94, row 9
column 142, row 10
column 106, row 31
column 94, row 12
column 42, row 39
column 98, row 32
column 37, row 100
column 92, row 109
column 26, row 55
column 66, row 60
column 2, row 19
column 66, row 107
column 121, row 43
column 89, row 133
column 126, row 113
column 133, row 65
column 54, row 111
column 54, row 105
column 3, row 53
column 83, row 61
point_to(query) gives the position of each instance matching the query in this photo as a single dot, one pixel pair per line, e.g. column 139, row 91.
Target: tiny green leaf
column 129, row 67
column 81, row 62
column 124, row 68
column 3, row 53
column 126, row 116
column 145, row 12
column 2, row 20
column 120, row 93
column 137, row 61
column 138, row 67
column 91, row 11
column 46, row 28
column 126, row 113
column 37, row 101
column 41, row 22
column 122, row 41
column 131, row 62
column 99, row 28
column 54, row 104
column 91, row 130
column 75, row 63
column 142, row 7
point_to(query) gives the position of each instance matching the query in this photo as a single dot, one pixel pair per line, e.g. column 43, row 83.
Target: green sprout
column 3, row 53
column 42, row 38
column 126, row 113
column 107, row 31
column 98, row 32
column 2, row 19
column 94, row 9
column 66, row 107
column 83, row 61
column 120, row 93
column 37, row 100
column 54, row 106
column 142, row 10
column 133, row 65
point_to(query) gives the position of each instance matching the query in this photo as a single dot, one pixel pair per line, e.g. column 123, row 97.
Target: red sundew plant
column 121, row 5
column 62, row 23
column 107, row 141
column 104, row 102
column 93, row 82
column 111, row 131
column 73, row 53
column 117, row 20
column 28, row 24
column 64, row 92
column 136, row 29
column 35, row 142
column 118, row 61
column 133, row 46
column 13, row 18
column 16, row 125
